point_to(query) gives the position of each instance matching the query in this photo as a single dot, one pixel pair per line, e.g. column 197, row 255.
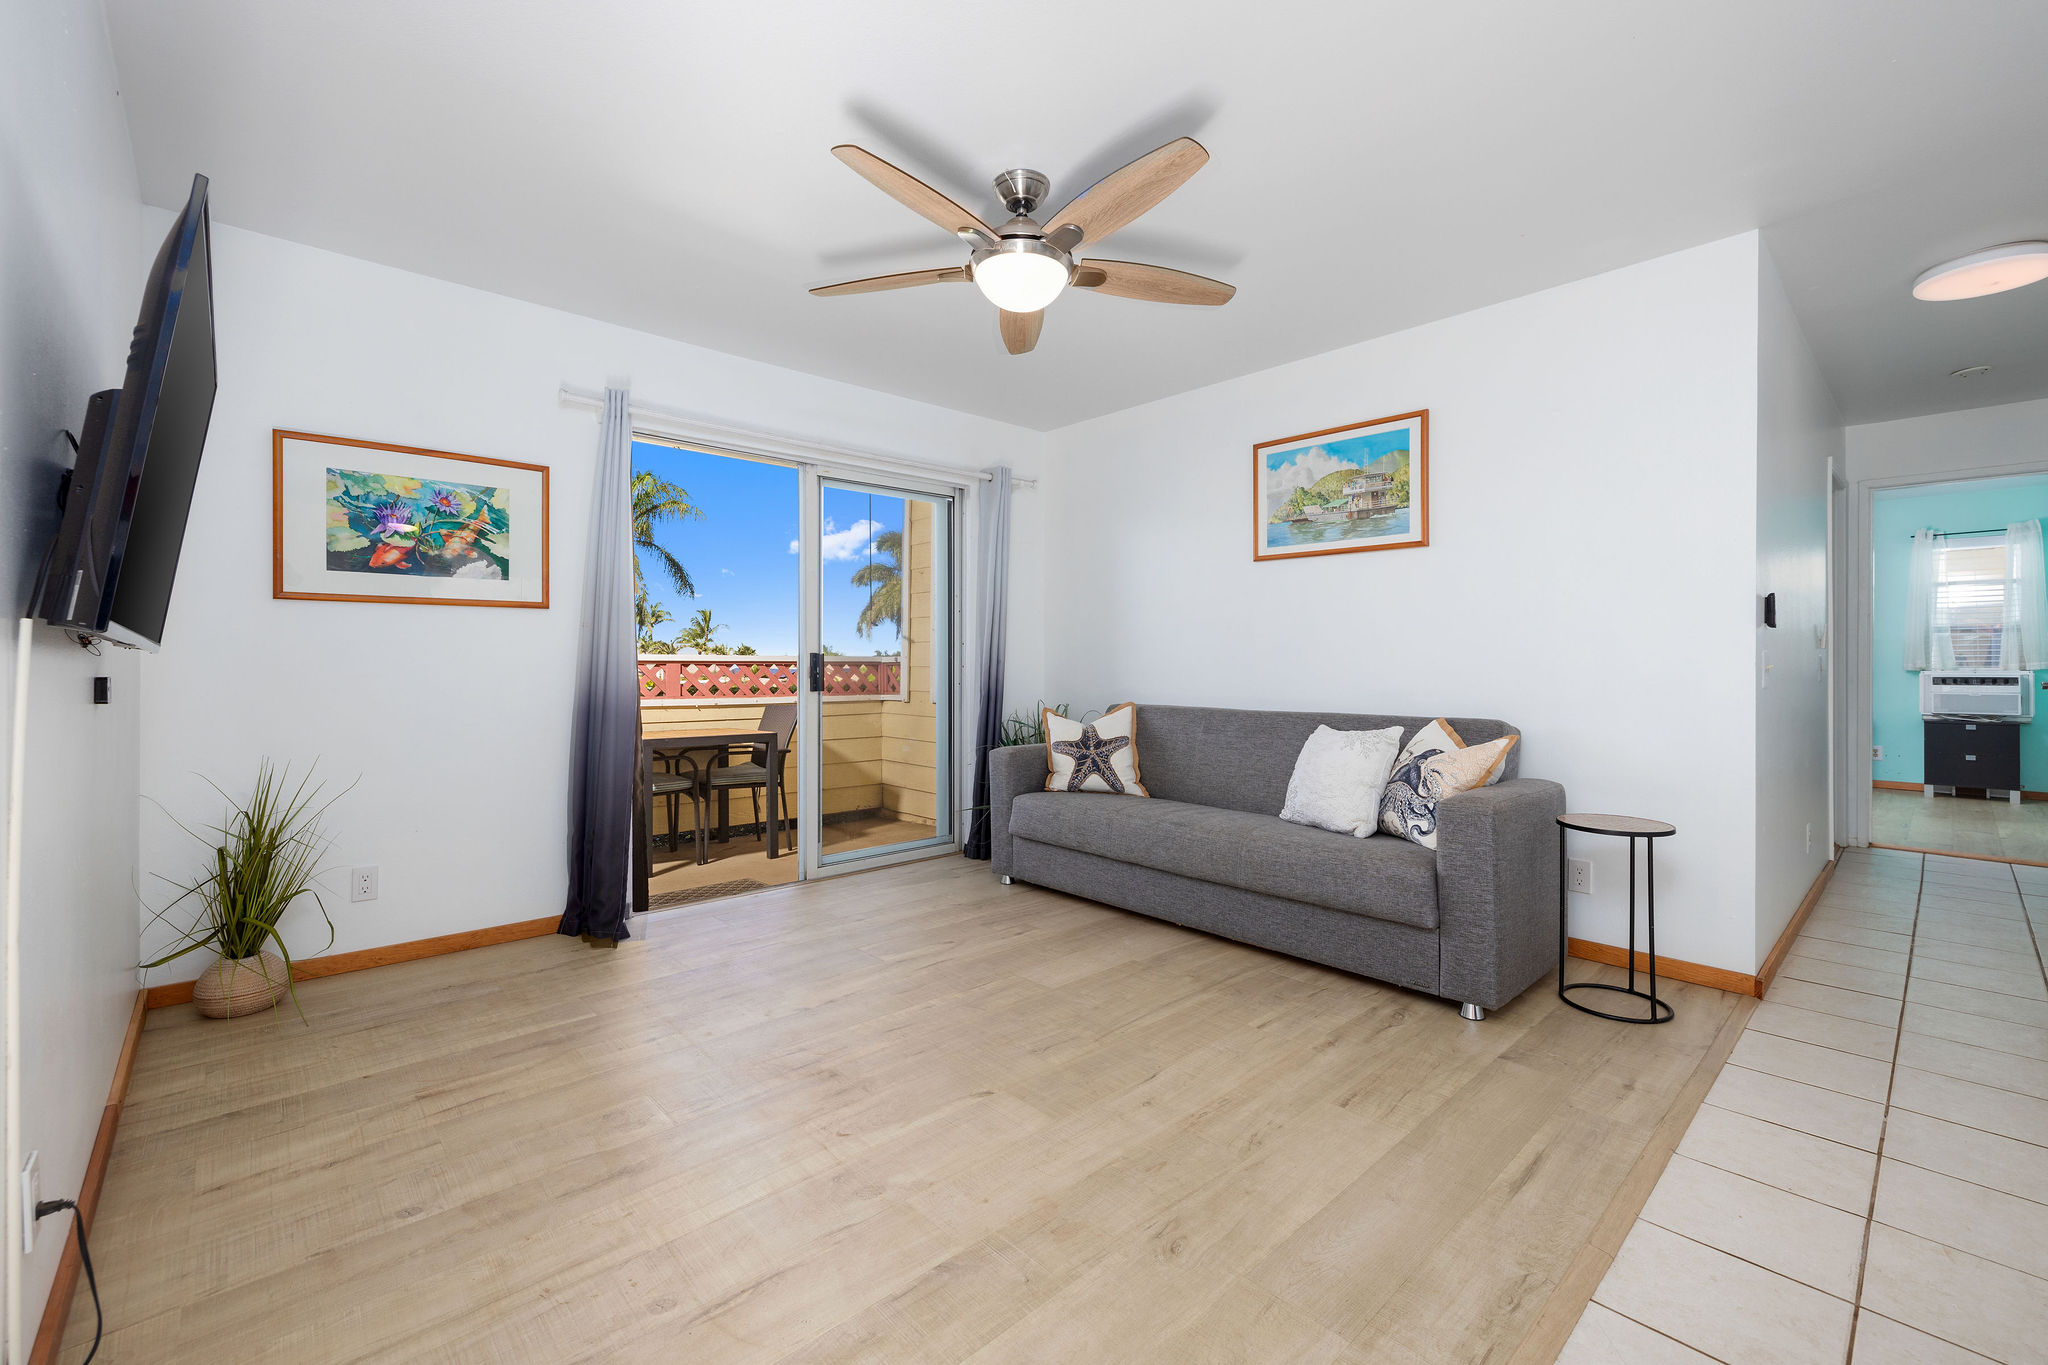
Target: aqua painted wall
column 1894, row 692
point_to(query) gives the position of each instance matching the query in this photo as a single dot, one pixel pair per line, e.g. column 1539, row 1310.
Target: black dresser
column 1973, row 753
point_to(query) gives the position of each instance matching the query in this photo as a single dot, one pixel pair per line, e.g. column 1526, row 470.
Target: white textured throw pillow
column 1339, row 777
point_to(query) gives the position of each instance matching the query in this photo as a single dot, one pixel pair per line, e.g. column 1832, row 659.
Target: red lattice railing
column 752, row 677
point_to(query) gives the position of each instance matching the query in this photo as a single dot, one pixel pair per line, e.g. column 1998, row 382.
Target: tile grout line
column 1884, row 1125
column 1958, row 1123
column 2027, row 918
column 1733, row 1256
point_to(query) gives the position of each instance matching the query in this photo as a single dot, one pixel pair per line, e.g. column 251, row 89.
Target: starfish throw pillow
column 1099, row 755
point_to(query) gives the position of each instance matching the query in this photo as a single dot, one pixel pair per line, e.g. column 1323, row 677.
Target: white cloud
column 852, row 543
column 1309, row 466
column 726, row 572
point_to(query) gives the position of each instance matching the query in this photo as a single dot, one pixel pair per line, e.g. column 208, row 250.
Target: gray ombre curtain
column 604, row 754
column 995, row 624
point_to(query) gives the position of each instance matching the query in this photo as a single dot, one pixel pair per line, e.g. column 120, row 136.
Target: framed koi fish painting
column 358, row 521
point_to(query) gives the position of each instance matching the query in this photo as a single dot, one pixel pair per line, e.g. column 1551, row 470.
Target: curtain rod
column 759, row 442
column 1987, row 531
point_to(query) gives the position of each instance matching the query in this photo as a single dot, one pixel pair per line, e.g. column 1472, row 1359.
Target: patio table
column 719, row 744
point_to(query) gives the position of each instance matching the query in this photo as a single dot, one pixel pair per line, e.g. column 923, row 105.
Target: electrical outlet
column 1877, row 752
column 362, row 883
column 1579, row 875
column 31, row 1195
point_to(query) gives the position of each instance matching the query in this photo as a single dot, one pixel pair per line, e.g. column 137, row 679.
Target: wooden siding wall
column 909, row 750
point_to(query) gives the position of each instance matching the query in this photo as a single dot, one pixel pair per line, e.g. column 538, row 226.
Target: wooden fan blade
column 1020, row 330
column 907, row 190
column 875, row 284
column 1117, row 198
column 1130, row 280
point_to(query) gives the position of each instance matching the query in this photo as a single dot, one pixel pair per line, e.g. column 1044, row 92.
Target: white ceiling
column 1375, row 165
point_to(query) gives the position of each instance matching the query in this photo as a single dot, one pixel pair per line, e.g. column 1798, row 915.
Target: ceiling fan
column 1022, row 266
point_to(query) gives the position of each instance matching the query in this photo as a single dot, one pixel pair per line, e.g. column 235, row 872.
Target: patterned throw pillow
column 1099, row 755
column 1436, row 764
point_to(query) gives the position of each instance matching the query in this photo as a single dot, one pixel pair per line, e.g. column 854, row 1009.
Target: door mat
column 669, row 900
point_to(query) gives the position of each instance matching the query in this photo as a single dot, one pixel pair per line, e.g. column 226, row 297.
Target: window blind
column 1969, row 597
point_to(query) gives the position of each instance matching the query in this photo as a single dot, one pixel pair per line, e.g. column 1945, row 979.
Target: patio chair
column 675, row 776
column 780, row 717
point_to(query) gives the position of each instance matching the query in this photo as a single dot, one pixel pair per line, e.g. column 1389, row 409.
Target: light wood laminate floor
column 745, row 857
column 907, row 1116
column 1968, row 825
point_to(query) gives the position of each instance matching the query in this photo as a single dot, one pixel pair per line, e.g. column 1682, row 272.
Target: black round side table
column 1632, row 828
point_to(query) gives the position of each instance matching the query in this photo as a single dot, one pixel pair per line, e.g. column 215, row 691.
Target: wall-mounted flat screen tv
column 130, row 490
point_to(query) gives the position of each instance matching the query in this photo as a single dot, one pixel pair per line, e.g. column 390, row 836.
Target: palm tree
column 883, row 578
column 656, row 500
column 647, row 614
column 700, row 636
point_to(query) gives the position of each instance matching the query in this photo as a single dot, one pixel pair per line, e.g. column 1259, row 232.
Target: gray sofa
column 1474, row 920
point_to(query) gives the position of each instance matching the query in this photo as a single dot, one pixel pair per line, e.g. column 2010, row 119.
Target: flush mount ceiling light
column 1992, row 271
column 1023, row 265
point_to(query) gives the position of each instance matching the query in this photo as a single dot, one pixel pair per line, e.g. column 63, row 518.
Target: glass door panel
column 879, row 701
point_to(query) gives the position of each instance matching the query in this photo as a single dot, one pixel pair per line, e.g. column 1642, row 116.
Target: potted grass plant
column 263, row 858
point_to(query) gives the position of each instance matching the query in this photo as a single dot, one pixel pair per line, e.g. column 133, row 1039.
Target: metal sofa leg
column 1004, row 880
column 1473, row 1012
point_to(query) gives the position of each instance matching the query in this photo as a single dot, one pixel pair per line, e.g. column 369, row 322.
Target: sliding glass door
column 875, row 736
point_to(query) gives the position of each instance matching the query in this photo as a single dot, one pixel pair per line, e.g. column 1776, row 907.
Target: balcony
column 878, row 778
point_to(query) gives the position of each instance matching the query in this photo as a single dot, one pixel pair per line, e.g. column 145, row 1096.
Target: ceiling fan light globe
column 1020, row 281
column 1985, row 272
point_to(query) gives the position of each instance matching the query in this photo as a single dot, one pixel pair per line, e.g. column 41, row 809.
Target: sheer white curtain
column 2023, row 643
column 1925, row 647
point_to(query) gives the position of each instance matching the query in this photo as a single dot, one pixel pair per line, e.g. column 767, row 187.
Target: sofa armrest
column 1496, row 879
column 1012, row 771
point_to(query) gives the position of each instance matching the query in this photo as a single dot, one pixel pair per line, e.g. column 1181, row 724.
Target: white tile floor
column 1868, row 1178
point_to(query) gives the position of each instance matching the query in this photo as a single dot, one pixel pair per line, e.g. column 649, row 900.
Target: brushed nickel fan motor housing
column 1021, row 190
column 1033, row 245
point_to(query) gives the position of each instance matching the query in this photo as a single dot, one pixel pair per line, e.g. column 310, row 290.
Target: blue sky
column 741, row 554
column 1355, row 450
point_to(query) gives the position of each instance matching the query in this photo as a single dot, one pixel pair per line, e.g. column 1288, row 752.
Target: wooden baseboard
column 1921, row 787
column 57, row 1308
column 1792, row 928
column 1720, row 978
column 312, row 968
column 1668, row 968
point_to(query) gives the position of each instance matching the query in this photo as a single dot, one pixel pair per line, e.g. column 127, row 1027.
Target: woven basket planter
column 230, row 990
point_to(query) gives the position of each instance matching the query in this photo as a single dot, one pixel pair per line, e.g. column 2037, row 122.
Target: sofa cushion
column 1243, row 759
column 1387, row 879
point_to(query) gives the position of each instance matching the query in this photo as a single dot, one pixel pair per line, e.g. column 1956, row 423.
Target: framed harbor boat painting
column 1362, row 487
column 360, row 521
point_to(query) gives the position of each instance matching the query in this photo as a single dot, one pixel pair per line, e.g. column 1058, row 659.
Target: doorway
column 879, row 704
column 1958, row 763
column 796, row 670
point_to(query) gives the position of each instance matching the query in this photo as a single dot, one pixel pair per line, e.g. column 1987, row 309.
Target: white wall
column 1798, row 429
column 455, row 720
column 2011, row 438
column 70, row 280
column 1589, row 576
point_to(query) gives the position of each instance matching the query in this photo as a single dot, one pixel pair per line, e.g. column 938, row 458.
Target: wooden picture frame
column 1342, row 490
column 405, row 524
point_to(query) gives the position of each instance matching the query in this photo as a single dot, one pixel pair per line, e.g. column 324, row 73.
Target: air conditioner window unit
column 1977, row 694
